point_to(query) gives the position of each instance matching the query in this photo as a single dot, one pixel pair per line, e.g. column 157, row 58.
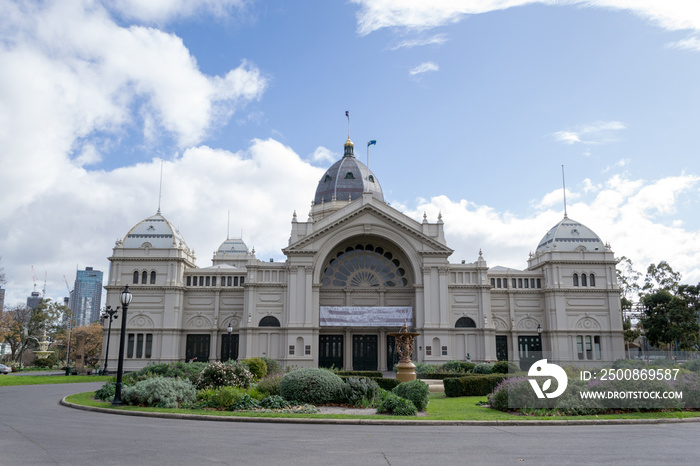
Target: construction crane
column 43, row 292
column 34, row 278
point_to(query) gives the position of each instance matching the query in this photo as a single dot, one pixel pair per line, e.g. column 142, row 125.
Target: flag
column 347, row 113
column 372, row 142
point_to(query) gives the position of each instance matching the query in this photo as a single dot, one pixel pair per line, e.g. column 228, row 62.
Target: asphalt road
column 36, row 430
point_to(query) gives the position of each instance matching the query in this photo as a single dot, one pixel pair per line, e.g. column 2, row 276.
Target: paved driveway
column 36, row 430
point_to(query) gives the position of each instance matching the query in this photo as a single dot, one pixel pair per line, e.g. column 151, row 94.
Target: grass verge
column 440, row 408
column 6, row 381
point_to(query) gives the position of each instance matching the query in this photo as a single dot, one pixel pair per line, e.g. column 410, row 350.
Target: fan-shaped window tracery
column 364, row 266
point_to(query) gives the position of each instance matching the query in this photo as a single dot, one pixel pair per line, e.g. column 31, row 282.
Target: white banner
column 356, row 316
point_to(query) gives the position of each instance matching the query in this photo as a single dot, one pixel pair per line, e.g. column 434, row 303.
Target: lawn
column 440, row 408
column 8, row 380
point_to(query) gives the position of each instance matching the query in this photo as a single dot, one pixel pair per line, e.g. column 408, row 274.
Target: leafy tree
column 661, row 277
column 628, row 281
column 93, row 342
column 669, row 319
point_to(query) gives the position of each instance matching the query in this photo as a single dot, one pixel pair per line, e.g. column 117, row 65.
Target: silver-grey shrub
column 159, row 392
column 312, row 385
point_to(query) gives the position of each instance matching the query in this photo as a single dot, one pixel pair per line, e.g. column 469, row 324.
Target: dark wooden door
column 197, row 348
column 502, row 347
column 392, row 356
column 530, row 350
column 330, row 351
column 229, row 347
column 364, row 352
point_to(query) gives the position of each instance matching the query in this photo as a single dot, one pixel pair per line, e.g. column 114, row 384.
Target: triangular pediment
column 372, row 215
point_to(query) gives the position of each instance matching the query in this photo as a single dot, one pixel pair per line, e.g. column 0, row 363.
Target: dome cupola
column 568, row 236
column 154, row 232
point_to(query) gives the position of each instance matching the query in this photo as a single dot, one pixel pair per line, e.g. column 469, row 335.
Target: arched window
column 520, row 282
column 493, row 282
column 363, row 266
column 591, row 278
column 269, row 321
column 498, row 282
column 153, row 277
column 539, row 283
column 349, row 176
column 465, row 322
column 136, row 276
column 575, row 279
column 532, row 283
column 144, row 277
column 584, row 281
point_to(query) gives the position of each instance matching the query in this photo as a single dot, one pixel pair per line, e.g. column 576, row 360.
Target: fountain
column 405, row 369
column 43, row 351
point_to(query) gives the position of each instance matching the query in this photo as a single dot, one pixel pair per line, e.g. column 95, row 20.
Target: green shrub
column 219, row 374
column 387, row 384
column 159, row 392
column 628, row 364
column 440, row 375
column 422, row 367
column 482, row 369
column 220, row 397
column 360, row 391
column 415, row 391
column 457, row 367
column 312, row 385
column 50, row 361
column 692, row 365
column 256, row 366
column 505, row 367
column 275, row 402
column 106, row 392
column 270, row 385
column 472, row 385
column 663, row 362
column 273, row 367
column 179, row 369
column 390, row 403
column 245, row 403
column 369, row 374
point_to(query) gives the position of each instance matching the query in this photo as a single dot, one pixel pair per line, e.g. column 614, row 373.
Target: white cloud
column 599, row 132
column 420, row 15
column 163, row 11
column 324, row 155
column 424, row 68
column 437, row 39
column 691, row 43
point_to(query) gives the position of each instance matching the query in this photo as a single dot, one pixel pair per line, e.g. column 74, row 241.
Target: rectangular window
column 189, row 281
column 526, row 284
column 208, row 283
column 589, row 348
column 139, row 345
column 579, row 346
column 520, row 282
column 307, row 350
column 235, row 281
column 428, row 350
column 444, row 350
column 130, row 346
column 532, row 283
column 201, row 281
column 149, row 344
column 596, row 347
column 213, row 281
column 515, row 284
column 229, row 281
column 291, row 349
column 242, row 280
column 539, row 283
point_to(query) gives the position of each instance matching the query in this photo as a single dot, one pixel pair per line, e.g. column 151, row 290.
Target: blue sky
column 475, row 107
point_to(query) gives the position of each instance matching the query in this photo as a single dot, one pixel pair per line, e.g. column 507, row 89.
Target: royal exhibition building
column 355, row 271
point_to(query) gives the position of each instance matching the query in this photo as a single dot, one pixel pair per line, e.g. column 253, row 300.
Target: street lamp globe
column 126, row 296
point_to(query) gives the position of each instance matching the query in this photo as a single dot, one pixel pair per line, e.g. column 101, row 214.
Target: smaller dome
column 232, row 246
column 155, row 232
column 568, row 235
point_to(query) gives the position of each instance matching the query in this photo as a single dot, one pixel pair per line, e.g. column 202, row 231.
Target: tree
column 627, row 280
column 3, row 278
column 661, row 277
column 670, row 319
column 93, row 342
column 21, row 327
column 630, row 333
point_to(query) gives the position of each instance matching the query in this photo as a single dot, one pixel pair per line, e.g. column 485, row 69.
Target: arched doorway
column 366, row 291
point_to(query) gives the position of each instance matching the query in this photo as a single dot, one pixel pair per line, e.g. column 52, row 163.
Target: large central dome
column 347, row 179
column 569, row 235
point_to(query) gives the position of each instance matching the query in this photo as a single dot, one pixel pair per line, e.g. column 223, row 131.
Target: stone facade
column 355, row 271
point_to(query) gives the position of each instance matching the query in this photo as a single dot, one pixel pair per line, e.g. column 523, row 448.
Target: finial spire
column 563, row 183
column 347, row 114
column 228, row 226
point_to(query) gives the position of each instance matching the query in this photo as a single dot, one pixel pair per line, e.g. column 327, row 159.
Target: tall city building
column 86, row 296
column 2, row 299
column 34, row 300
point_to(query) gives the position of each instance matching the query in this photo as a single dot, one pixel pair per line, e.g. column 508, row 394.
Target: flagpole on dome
column 347, row 114
column 370, row 143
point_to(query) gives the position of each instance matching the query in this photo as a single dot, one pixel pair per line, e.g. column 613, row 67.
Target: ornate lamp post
column 230, row 329
column 125, row 299
column 109, row 312
column 539, row 334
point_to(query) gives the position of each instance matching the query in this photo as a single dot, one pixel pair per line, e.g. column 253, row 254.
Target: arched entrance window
column 465, row 322
column 364, row 265
column 269, row 321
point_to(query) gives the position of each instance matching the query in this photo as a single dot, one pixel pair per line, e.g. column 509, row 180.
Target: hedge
column 440, row 375
column 386, row 384
column 472, row 385
column 370, row 374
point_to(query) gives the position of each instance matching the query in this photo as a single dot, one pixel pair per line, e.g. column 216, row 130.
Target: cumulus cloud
column 163, row 11
column 424, row 68
column 421, row 15
column 599, row 132
column 437, row 39
column 324, row 155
